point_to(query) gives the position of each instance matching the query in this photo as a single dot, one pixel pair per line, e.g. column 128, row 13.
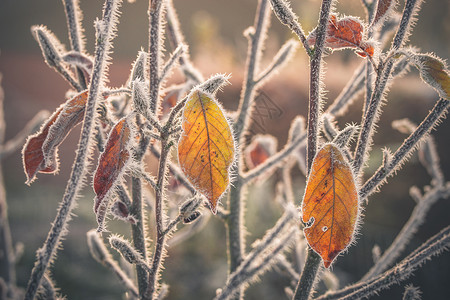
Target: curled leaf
column 330, row 204
column 206, row 146
column 40, row 150
column 435, row 73
column 111, row 167
column 347, row 32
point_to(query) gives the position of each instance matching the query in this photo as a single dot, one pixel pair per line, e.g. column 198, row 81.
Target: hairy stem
column 399, row 273
column 159, row 215
column 73, row 16
column 415, row 220
column 256, row 40
column 235, row 226
column 59, row 227
column 154, row 48
column 138, row 229
column 402, row 152
column 371, row 115
column 313, row 260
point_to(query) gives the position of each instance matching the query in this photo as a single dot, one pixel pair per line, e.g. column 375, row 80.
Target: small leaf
column 40, row 150
column 111, row 167
column 383, row 7
column 260, row 149
column 206, row 147
column 330, row 204
column 347, row 32
column 435, row 73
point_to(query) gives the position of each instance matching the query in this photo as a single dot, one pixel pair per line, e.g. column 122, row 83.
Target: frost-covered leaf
column 435, row 73
column 112, row 164
column 330, row 204
column 40, row 150
column 206, row 146
column 347, row 32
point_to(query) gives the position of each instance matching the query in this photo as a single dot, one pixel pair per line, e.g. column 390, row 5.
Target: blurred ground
column 197, row 267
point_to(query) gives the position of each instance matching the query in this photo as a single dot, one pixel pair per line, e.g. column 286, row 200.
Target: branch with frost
column 99, row 252
column 105, row 32
column 402, row 271
column 416, row 219
column 392, row 163
column 384, row 73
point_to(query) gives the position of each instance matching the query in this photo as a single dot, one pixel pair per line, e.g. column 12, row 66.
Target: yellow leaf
column 330, row 204
column 206, row 147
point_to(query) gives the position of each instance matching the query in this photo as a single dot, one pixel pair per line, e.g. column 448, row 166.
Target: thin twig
column 402, row 152
column 17, row 141
column 73, row 16
column 434, row 246
column 370, row 117
column 275, row 160
column 411, row 226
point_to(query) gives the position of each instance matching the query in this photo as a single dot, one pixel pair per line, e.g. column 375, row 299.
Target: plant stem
column 372, row 114
column 159, row 215
column 403, row 270
column 73, row 17
column 402, row 152
column 256, row 40
column 59, row 226
column 235, row 227
column 138, row 229
column 7, row 268
column 309, row 273
column 154, row 50
column 234, row 230
column 308, row 276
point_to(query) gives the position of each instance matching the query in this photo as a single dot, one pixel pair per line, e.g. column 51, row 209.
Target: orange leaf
column 40, row 150
column 111, row 166
column 330, row 204
column 348, row 32
column 206, row 147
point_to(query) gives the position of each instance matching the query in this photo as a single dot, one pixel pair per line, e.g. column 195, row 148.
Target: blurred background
column 213, row 30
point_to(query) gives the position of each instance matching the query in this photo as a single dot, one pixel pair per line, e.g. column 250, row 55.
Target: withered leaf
column 347, row 32
column 435, row 73
column 111, row 167
column 383, row 6
column 330, row 204
column 40, row 150
column 206, row 146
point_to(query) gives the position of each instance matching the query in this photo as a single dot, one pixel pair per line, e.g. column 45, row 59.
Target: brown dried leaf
column 111, row 167
column 40, row 150
column 347, row 32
